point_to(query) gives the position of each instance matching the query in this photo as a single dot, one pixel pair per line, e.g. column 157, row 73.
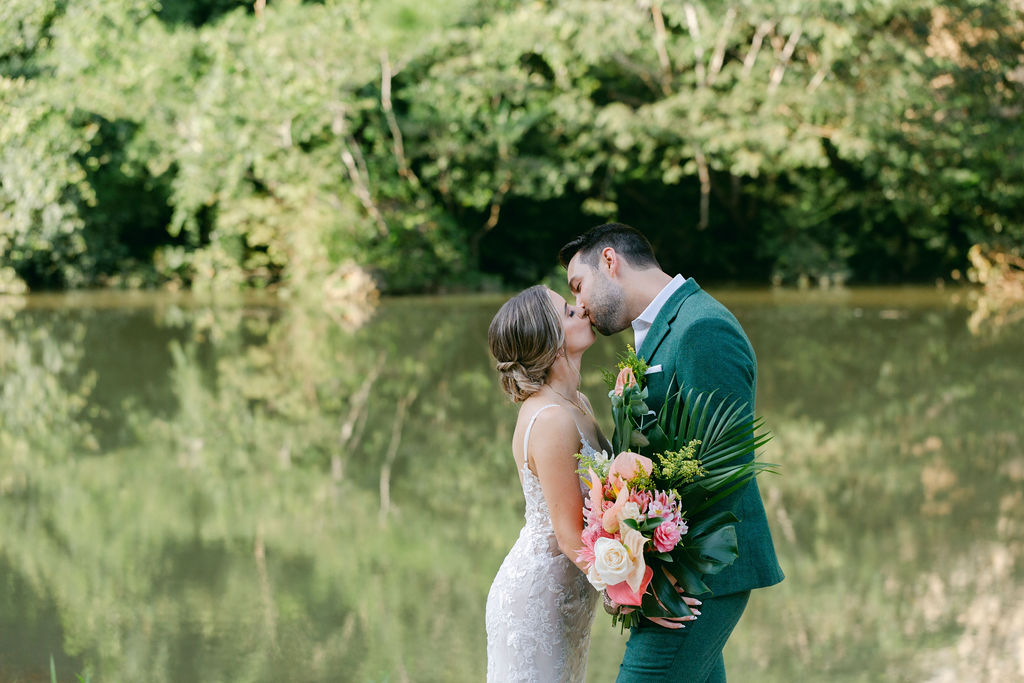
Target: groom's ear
column 610, row 261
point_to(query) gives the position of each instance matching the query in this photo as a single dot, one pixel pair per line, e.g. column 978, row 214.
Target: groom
column 682, row 333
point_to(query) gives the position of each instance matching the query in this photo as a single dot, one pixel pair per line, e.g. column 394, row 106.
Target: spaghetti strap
column 526, row 437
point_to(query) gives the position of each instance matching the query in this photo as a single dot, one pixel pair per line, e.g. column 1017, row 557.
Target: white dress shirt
column 642, row 325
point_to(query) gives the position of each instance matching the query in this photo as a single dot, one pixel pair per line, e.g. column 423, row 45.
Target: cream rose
column 630, row 511
column 595, row 579
column 611, row 561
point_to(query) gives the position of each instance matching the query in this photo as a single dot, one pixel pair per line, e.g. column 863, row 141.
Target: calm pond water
column 255, row 491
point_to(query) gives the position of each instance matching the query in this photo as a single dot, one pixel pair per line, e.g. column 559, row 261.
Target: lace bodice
column 540, row 606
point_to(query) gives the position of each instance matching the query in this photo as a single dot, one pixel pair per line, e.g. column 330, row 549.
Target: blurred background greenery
column 229, row 480
column 440, row 144
column 249, row 491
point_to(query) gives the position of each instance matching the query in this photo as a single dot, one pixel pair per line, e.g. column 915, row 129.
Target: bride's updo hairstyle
column 525, row 336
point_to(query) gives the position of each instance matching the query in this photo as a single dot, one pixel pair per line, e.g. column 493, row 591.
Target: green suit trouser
column 692, row 654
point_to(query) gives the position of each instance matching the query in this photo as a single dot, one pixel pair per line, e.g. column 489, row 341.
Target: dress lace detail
column 540, row 606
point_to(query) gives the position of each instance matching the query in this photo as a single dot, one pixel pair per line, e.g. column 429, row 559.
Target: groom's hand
column 677, row 622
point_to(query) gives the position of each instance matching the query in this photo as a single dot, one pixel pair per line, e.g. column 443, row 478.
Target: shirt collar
column 644, row 321
column 653, row 308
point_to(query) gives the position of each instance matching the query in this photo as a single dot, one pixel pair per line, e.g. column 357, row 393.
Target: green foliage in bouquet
column 676, row 468
column 627, row 360
column 704, row 449
column 726, row 436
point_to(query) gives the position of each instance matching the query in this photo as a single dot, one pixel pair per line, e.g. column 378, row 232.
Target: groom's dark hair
column 627, row 242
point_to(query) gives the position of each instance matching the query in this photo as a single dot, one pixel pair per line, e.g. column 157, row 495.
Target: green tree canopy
column 217, row 143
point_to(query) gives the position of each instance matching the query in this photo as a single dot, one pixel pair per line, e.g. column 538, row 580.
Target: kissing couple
column 541, row 604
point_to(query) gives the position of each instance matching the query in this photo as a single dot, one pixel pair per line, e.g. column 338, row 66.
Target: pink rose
column 625, row 379
column 666, row 536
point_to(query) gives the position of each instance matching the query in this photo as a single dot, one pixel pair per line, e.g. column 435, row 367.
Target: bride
column 540, row 605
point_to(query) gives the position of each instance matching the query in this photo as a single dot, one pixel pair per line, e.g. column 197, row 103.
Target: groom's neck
column 643, row 286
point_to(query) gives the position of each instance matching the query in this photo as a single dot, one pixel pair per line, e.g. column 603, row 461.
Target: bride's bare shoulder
column 545, row 411
column 552, row 427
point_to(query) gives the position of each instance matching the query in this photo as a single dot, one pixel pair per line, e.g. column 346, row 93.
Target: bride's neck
column 564, row 375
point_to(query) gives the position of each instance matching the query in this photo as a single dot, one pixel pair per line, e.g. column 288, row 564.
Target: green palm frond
column 727, row 433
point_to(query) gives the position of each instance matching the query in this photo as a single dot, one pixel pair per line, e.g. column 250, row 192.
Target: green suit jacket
column 697, row 341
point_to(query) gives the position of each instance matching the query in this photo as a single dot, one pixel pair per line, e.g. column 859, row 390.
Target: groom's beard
column 607, row 310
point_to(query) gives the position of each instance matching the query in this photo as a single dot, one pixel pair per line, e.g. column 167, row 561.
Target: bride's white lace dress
column 540, row 606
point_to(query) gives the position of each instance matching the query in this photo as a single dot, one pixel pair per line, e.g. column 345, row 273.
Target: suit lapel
column 666, row 316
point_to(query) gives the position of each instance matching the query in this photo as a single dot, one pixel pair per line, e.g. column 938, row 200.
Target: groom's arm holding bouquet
column 715, row 355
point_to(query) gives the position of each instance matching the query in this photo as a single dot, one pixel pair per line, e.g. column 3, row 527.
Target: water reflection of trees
column 899, row 510
column 289, row 497
column 282, row 520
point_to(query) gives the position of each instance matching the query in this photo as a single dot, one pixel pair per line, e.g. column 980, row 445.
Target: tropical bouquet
column 650, row 525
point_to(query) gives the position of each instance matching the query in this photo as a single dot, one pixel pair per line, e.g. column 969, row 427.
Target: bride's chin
column 588, row 343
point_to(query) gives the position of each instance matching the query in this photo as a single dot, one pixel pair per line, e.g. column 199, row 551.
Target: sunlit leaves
column 771, row 139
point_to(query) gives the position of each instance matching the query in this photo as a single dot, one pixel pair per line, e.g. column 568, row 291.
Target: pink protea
column 592, row 533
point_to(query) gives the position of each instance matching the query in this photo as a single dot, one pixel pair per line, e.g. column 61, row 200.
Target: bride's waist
column 539, row 537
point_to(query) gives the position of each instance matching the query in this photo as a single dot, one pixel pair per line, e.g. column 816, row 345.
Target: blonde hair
column 525, row 337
